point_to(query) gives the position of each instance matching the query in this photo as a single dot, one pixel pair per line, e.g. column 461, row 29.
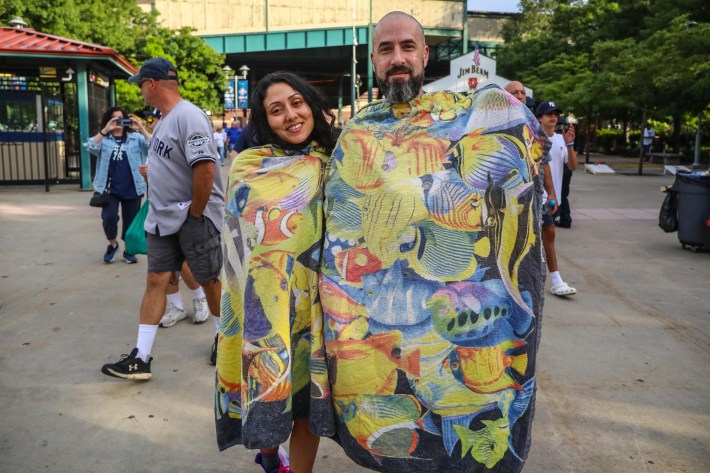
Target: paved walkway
column 623, row 366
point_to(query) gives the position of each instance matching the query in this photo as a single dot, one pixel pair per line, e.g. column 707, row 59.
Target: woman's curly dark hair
column 108, row 115
column 324, row 131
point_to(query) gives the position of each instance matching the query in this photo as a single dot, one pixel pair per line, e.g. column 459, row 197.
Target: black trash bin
column 693, row 191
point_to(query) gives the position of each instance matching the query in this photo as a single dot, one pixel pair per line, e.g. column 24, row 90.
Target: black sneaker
column 110, row 253
column 129, row 367
column 129, row 258
column 213, row 356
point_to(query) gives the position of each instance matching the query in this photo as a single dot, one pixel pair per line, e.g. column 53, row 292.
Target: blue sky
column 494, row 5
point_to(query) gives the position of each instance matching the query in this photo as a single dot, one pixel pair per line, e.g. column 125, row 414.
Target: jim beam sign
column 475, row 68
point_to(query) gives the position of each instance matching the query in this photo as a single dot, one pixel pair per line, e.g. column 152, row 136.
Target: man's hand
column 547, row 206
column 569, row 134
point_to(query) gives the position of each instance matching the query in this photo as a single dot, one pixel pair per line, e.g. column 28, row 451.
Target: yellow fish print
column 484, row 370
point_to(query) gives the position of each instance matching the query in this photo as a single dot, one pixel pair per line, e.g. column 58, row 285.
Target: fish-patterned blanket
column 431, row 282
column 270, row 356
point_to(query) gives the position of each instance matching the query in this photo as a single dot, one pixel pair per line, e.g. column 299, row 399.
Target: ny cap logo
column 552, row 104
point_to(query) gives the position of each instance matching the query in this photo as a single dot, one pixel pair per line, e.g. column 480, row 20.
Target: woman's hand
column 138, row 126
column 110, row 126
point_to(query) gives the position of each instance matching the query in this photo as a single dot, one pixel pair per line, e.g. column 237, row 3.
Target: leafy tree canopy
column 133, row 33
column 602, row 57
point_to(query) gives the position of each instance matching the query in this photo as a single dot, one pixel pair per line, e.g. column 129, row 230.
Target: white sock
column 176, row 300
column 556, row 279
column 216, row 324
column 146, row 337
column 198, row 293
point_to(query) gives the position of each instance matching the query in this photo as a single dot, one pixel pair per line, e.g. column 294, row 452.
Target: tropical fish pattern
column 431, row 282
column 271, row 366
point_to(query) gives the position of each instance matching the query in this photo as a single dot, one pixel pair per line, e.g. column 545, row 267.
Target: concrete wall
column 487, row 27
column 244, row 16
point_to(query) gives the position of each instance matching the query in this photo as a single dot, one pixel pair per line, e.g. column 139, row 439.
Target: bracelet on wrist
column 101, row 132
column 570, row 144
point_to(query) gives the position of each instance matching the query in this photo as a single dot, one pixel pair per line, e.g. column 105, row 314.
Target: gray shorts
column 548, row 219
column 198, row 241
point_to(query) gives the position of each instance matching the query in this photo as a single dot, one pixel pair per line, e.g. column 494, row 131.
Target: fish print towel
column 431, row 282
column 270, row 357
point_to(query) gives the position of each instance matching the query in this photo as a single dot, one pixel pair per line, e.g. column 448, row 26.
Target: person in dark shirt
column 233, row 133
column 120, row 150
column 247, row 139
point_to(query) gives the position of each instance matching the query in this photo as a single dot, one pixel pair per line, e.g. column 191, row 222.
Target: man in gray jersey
column 186, row 208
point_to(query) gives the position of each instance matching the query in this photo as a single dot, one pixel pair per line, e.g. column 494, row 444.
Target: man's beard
column 400, row 91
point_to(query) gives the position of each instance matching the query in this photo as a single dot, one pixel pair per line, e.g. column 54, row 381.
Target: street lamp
column 229, row 92
column 244, row 70
column 243, row 90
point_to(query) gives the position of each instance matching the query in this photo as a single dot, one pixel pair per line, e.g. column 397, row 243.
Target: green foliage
column 136, row 35
column 604, row 59
column 202, row 79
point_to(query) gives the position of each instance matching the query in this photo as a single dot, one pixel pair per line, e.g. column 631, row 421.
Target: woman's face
column 118, row 130
column 288, row 114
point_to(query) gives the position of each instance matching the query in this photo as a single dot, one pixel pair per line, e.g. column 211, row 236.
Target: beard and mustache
column 399, row 90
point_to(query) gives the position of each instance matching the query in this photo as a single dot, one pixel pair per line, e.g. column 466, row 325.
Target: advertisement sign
column 242, row 94
column 229, row 95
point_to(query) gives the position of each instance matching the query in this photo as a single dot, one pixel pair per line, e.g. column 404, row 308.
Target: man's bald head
column 517, row 90
column 399, row 56
column 386, row 20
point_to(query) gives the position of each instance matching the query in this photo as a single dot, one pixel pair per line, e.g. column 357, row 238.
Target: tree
column 607, row 59
column 136, row 35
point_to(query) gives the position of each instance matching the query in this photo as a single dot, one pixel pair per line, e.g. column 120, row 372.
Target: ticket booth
column 52, row 92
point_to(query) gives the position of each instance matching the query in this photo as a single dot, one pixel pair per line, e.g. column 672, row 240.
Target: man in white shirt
column 648, row 135
column 561, row 154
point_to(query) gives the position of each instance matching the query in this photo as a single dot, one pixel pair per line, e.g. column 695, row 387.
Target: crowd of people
column 380, row 285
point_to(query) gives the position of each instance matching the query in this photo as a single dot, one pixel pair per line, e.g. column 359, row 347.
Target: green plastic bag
column 136, row 242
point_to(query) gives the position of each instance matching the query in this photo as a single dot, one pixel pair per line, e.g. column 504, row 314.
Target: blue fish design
column 466, row 313
column 395, row 300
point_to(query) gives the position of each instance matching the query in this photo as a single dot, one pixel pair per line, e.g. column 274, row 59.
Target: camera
column 562, row 125
column 124, row 122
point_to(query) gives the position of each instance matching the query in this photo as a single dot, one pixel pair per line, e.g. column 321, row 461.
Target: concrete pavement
column 623, row 366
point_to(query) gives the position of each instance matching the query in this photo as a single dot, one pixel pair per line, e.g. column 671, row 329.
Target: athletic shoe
column 129, row 367
column 202, row 312
column 213, row 356
column 172, row 316
column 283, row 459
column 129, row 258
column 110, row 253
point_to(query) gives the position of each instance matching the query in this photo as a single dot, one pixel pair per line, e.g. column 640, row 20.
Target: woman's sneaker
column 129, row 258
column 172, row 316
column 110, row 253
column 284, row 461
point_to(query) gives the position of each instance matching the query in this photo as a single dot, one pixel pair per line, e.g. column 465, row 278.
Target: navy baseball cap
column 157, row 68
column 543, row 108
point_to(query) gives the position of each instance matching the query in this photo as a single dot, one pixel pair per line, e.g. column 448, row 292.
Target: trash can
column 693, row 191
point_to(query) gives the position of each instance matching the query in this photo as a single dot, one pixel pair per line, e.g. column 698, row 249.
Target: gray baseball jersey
column 181, row 139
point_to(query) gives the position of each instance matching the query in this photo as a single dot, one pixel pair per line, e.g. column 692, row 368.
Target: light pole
column 229, row 93
column 243, row 90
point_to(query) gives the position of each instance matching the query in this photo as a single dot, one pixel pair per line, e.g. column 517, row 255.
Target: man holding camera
column 186, row 208
column 561, row 155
